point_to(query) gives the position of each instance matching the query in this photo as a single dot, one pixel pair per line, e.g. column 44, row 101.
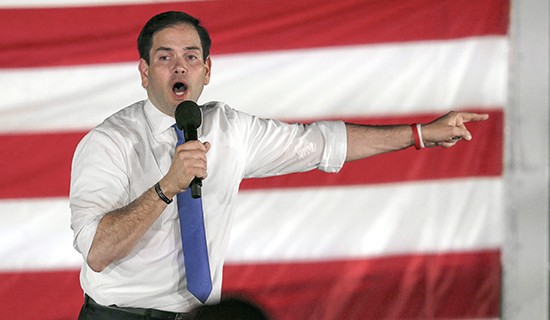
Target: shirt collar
column 158, row 121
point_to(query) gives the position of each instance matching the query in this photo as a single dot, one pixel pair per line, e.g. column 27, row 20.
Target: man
column 127, row 170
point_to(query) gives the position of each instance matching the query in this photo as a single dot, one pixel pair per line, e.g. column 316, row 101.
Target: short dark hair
column 165, row 20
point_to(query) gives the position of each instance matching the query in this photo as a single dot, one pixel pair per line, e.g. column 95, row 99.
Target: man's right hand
column 189, row 162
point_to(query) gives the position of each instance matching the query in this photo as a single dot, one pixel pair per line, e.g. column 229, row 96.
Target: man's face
column 176, row 71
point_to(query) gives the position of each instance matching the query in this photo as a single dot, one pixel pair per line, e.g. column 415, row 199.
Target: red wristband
column 417, row 143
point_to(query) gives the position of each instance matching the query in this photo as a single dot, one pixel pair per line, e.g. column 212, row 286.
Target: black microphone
column 189, row 119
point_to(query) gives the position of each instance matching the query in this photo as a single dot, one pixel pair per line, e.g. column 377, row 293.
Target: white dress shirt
column 132, row 150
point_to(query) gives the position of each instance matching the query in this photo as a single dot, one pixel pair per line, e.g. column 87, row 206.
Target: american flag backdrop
column 407, row 235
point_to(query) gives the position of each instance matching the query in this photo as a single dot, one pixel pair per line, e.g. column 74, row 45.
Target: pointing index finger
column 471, row 116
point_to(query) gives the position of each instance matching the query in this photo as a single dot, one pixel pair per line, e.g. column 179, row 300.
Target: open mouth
column 179, row 88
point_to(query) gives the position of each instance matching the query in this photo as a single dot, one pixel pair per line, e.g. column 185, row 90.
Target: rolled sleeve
column 84, row 228
column 98, row 185
column 334, row 154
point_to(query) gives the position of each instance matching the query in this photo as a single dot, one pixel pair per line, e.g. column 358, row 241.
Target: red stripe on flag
column 430, row 286
column 47, row 295
column 449, row 285
column 106, row 34
column 39, row 165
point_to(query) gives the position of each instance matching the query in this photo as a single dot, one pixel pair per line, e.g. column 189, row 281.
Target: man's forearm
column 365, row 140
column 445, row 131
column 119, row 231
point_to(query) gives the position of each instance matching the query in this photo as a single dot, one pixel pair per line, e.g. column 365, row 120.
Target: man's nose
column 179, row 66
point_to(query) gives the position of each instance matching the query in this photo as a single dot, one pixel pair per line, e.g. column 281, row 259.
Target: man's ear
column 143, row 67
column 208, row 66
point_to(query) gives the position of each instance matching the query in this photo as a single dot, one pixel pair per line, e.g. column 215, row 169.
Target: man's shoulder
column 218, row 110
column 125, row 116
column 120, row 124
column 214, row 106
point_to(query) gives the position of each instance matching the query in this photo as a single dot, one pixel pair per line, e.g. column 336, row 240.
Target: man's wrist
column 161, row 194
column 417, row 134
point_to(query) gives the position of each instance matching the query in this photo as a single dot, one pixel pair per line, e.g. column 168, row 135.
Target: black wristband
column 161, row 194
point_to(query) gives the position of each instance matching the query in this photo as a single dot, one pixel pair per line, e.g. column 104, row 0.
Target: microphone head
column 188, row 115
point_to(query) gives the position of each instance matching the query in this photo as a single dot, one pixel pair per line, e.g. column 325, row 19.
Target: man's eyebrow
column 161, row 48
column 193, row 48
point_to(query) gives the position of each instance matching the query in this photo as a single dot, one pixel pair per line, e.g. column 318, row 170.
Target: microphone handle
column 190, row 134
column 196, row 186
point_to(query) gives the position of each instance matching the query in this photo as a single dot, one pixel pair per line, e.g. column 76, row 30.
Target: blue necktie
column 193, row 239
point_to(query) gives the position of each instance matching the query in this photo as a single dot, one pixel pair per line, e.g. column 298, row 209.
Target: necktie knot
column 179, row 134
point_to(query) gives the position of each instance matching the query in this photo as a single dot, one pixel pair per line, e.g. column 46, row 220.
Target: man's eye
column 164, row 58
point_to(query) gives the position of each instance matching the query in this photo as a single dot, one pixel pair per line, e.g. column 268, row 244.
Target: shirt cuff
column 334, row 155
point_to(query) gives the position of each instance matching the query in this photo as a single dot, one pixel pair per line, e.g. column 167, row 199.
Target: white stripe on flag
column 343, row 222
column 364, row 80
column 300, row 84
column 36, row 234
column 346, row 222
